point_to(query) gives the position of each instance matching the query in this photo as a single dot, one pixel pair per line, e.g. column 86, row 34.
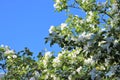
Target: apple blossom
column 51, row 29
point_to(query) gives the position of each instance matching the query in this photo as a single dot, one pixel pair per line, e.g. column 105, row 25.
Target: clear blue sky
column 25, row 23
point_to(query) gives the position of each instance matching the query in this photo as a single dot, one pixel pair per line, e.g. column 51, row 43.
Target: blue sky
column 25, row 23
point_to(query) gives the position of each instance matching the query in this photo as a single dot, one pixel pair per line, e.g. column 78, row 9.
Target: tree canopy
column 90, row 46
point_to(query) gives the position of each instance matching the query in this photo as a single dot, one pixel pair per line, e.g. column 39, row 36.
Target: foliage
column 90, row 46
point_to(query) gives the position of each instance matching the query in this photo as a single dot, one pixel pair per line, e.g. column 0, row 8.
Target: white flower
column 48, row 54
column 89, row 60
column 51, row 29
column 9, row 51
column 52, row 75
column 74, row 55
column 81, row 37
column 100, row 43
column 79, row 69
column 55, row 78
column 84, row 1
column 70, row 77
column 112, row 23
column 90, row 13
column 85, row 36
column 47, row 76
column 59, row 55
column 103, row 29
column 56, row 62
column 90, row 36
column 57, row 1
column 81, row 21
column 92, row 26
column 63, row 25
column 102, row 67
column 69, row 55
column 74, row 72
column 89, row 18
column 115, row 7
column 115, row 42
column 14, row 56
column 56, row 6
column 8, row 57
column 45, row 62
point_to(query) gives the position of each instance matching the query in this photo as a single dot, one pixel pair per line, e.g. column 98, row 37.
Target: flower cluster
column 8, row 52
column 60, row 5
column 90, row 46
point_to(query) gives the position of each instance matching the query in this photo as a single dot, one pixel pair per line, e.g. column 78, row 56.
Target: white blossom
column 79, row 69
column 90, row 13
column 74, row 72
column 84, row 1
column 70, row 77
column 45, row 62
column 89, row 18
column 57, row 1
column 74, row 55
column 9, row 52
column 103, row 29
column 14, row 56
column 92, row 26
column 51, row 29
column 102, row 67
column 89, row 60
column 85, row 36
column 8, row 57
column 81, row 37
column 112, row 23
column 100, row 43
column 115, row 7
column 54, row 77
column 47, row 76
column 81, row 21
column 63, row 25
column 56, row 62
column 115, row 42
column 56, row 5
column 48, row 54
column 60, row 55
